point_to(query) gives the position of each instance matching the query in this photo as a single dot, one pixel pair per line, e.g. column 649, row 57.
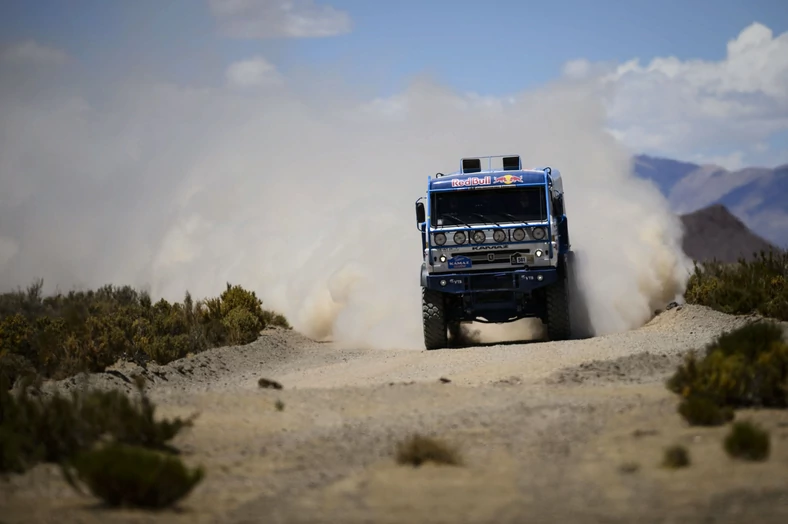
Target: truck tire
column 558, row 318
column 433, row 312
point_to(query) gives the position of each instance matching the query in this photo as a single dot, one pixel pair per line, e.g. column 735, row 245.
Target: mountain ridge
column 757, row 196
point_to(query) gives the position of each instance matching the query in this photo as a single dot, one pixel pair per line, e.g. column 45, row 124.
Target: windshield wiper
column 456, row 219
column 487, row 219
column 510, row 217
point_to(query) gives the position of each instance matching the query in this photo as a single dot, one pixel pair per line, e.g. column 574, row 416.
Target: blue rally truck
column 496, row 248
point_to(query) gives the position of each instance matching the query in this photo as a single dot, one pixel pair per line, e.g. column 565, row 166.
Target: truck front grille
column 486, row 258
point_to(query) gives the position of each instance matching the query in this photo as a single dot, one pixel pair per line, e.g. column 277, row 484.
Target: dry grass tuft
column 676, row 457
column 419, row 449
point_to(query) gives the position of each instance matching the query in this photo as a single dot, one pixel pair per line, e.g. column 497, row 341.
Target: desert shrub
column 272, row 319
column 419, row 449
column 28, row 303
column 751, row 286
column 14, row 367
column 676, row 457
column 35, row 428
column 166, row 348
column 700, row 411
column 15, row 335
column 747, row 441
column 744, row 367
column 209, row 317
column 268, row 383
column 86, row 331
column 242, row 326
column 123, row 475
column 235, row 297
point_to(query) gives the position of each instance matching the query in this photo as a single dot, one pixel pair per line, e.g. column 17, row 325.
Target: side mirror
column 420, row 214
column 558, row 205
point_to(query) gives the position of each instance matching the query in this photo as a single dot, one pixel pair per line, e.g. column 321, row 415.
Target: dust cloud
column 305, row 196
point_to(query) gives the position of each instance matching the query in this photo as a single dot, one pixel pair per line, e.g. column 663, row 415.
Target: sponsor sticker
column 472, row 181
column 459, row 262
column 507, row 179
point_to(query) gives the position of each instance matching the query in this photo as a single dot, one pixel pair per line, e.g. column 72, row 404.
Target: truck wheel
column 433, row 312
column 558, row 321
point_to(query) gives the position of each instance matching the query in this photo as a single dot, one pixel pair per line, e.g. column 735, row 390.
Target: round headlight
column 499, row 235
column 518, row 235
column 539, row 233
column 440, row 238
column 459, row 237
column 479, row 237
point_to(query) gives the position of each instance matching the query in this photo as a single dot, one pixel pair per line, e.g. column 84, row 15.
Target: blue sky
column 491, row 48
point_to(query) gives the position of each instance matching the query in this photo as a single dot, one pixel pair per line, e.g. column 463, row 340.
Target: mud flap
column 578, row 306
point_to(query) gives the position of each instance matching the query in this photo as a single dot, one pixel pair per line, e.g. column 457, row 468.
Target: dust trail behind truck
column 496, row 248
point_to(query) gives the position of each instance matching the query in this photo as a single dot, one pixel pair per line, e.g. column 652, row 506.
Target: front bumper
column 521, row 280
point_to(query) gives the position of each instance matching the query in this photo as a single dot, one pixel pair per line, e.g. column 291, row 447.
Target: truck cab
column 495, row 244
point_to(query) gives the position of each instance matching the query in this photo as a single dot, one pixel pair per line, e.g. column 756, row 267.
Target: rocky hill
column 715, row 233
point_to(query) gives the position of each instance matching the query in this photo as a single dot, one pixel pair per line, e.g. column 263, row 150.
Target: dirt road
column 548, row 432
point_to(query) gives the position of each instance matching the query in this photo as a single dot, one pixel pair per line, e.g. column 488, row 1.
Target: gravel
column 548, row 432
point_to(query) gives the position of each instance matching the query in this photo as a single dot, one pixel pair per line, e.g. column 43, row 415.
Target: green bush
column 236, row 297
column 242, row 326
column 35, row 428
column 751, row 286
column 744, row 367
column 700, row 411
column 419, row 449
column 676, row 457
column 86, row 331
column 747, row 441
column 123, row 475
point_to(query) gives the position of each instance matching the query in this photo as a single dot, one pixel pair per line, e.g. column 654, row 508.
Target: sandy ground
column 548, row 432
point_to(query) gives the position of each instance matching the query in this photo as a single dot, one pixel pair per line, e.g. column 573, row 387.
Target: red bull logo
column 508, row 179
column 472, row 181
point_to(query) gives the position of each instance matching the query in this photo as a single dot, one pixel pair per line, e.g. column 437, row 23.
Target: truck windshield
column 479, row 206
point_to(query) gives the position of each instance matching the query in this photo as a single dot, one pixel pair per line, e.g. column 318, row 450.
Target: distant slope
column 664, row 171
column 715, row 233
column 757, row 196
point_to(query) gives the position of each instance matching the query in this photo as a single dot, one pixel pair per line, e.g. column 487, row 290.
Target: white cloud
column 31, row 52
column 687, row 108
column 255, row 72
column 577, row 68
column 279, row 19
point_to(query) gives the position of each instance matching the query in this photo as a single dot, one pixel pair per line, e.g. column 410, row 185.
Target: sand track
column 544, row 429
